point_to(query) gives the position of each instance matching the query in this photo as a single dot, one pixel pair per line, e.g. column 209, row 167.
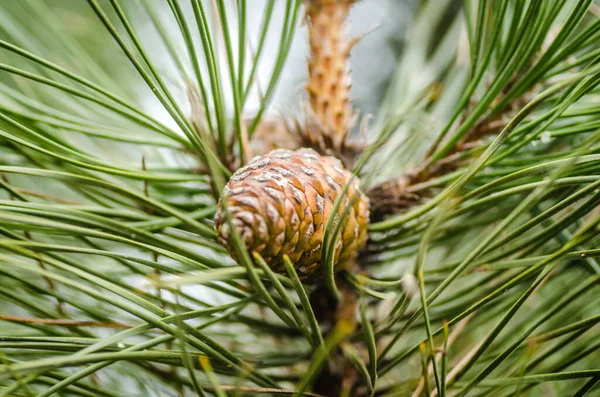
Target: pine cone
column 280, row 204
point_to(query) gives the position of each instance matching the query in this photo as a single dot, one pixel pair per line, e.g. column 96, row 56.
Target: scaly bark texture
column 330, row 115
column 280, row 204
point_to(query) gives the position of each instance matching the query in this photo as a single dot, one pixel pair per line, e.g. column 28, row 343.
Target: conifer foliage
column 446, row 246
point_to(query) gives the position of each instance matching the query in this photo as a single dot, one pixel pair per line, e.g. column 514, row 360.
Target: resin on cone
column 280, row 203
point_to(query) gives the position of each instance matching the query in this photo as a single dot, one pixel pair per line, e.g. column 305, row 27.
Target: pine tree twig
column 399, row 194
column 339, row 375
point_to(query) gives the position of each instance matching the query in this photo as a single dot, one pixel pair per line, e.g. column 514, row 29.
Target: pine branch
column 481, row 265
